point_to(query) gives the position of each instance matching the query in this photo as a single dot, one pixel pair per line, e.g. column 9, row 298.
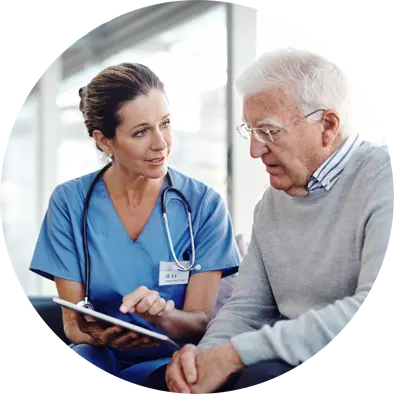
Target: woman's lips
column 158, row 161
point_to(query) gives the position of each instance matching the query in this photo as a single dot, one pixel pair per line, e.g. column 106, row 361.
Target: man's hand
column 194, row 370
column 182, row 370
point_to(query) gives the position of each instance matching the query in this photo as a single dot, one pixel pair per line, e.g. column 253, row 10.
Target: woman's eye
column 166, row 123
column 140, row 133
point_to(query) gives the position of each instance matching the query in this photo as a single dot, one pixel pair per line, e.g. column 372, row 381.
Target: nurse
column 126, row 112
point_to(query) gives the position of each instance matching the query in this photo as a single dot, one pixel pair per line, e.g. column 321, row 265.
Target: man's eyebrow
column 269, row 122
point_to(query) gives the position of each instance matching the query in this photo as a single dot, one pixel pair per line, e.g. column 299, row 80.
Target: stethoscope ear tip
column 197, row 267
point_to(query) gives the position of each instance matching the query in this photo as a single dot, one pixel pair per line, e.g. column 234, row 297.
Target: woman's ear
column 102, row 142
column 331, row 124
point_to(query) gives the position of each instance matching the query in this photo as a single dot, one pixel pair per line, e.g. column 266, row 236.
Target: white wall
column 249, row 176
column 352, row 35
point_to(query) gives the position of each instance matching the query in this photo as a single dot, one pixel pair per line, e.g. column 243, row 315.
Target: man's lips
column 270, row 164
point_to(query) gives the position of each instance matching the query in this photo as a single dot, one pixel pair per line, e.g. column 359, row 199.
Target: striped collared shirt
column 328, row 173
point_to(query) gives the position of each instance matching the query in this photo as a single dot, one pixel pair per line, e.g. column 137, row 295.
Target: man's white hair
column 316, row 82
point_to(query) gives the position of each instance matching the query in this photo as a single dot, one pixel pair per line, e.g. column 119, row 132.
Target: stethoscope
column 85, row 302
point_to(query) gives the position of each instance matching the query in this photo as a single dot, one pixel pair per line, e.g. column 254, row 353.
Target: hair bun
column 82, row 93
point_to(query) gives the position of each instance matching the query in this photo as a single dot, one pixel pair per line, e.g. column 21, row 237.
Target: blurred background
column 197, row 48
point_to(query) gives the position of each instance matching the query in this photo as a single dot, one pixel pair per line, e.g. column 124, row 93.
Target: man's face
column 297, row 151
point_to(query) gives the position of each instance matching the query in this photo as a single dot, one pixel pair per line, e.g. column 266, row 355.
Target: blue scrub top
column 120, row 265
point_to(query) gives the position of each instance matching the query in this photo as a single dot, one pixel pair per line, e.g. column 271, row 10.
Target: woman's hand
column 112, row 336
column 147, row 304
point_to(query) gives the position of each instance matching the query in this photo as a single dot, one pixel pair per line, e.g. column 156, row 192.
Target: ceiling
column 128, row 30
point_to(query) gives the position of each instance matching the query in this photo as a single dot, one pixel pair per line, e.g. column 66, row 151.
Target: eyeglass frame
column 269, row 133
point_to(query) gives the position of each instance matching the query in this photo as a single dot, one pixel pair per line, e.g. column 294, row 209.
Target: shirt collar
column 328, row 173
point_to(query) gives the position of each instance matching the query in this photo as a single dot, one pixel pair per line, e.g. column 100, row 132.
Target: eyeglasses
column 268, row 133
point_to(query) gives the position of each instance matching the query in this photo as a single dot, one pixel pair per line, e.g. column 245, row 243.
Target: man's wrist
column 230, row 357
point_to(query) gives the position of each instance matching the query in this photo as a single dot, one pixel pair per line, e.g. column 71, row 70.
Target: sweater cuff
column 253, row 347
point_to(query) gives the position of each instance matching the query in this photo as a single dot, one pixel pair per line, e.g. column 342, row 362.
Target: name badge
column 170, row 274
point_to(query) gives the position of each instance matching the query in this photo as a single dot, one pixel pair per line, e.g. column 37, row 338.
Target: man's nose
column 257, row 148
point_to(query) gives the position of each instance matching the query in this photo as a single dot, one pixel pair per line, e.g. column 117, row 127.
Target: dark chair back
column 51, row 313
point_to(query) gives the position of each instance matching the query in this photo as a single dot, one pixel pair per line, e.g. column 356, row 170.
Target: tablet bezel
column 115, row 321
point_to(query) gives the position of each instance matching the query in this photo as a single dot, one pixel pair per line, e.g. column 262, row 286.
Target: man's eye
column 266, row 131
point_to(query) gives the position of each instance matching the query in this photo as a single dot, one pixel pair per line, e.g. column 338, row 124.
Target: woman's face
column 143, row 138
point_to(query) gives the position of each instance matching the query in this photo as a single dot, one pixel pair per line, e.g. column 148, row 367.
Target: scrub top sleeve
column 215, row 244
column 55, row 254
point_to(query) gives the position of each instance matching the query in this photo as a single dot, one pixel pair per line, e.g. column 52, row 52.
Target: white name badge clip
column 170, row 274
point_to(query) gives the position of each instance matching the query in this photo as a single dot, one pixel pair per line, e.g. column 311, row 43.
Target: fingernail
column 123, row 309
column 190, row 378
column 160, row 314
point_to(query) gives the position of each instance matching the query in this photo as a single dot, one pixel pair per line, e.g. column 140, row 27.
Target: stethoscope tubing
column 170, row 188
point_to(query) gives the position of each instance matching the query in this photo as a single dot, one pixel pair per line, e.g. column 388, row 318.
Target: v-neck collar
column 153, row 217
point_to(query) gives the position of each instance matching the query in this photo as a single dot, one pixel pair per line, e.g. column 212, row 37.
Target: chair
column 51, row 313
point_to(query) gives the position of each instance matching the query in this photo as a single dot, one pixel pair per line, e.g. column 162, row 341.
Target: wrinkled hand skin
column 195, row 370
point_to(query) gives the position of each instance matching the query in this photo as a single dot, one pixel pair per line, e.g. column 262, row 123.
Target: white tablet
column 117, row 322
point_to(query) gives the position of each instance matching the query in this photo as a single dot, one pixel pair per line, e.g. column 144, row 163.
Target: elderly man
column 319, row 236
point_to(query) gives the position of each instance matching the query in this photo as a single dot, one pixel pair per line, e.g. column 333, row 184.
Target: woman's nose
column 159, row 142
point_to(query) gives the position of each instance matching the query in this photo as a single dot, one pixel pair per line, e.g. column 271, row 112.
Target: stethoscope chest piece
column 85, row 304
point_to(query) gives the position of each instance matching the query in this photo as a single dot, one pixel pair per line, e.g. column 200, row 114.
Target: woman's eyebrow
column 139, row 125
column 145, row 124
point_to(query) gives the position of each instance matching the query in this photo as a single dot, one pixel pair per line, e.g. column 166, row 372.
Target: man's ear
column 331, row 124
column 102, row 142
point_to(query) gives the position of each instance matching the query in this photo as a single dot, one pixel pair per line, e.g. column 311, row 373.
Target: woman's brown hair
column 102, row 98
